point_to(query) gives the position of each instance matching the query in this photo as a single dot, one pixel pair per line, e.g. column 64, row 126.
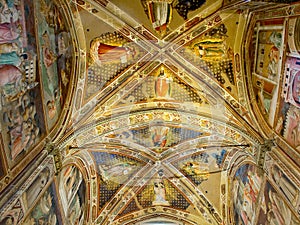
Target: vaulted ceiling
column 151, row 112
column 162, row 126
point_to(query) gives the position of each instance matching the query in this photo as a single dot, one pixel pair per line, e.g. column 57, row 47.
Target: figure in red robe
column 110, row 53
column 163, row 85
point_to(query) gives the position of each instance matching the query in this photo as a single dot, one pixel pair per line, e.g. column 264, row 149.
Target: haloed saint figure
column 159, row 193
column 159, row 12
column 108, row 53
column 163, row 85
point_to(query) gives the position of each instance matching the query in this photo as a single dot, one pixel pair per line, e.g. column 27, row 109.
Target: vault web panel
column 110, row 55
column 113, row 170
column 159, row 135
column 160, row 191
column 211, row 52
column 164, row 85
column 131, row 207
column 106, row 193
column 200, row 166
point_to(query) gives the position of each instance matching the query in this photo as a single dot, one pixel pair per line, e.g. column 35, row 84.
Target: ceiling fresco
column 149, row 112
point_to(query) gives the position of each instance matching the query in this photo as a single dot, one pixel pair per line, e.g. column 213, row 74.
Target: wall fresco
column 276, row 82
column 289, row 108
column 116, row 167
column 55, row 54
column 30, row 104
column 268, row 47
column 28, row 194
column 72, row 192
column 292, row 127
column 22, row 122
column 7, row 221
column 46, row 211
column 13, row 215
column 273, row 209
column 286, row 187
column 245, row 190
column 2, row 160
column 33, row 192
column 292, row 79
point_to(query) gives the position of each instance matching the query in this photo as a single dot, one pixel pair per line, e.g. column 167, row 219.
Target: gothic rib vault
column 147, row 124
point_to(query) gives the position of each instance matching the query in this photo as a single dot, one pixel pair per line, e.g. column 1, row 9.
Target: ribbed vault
column 165, row 115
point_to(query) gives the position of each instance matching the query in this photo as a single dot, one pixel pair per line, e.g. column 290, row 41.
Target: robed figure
column 163, row 85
